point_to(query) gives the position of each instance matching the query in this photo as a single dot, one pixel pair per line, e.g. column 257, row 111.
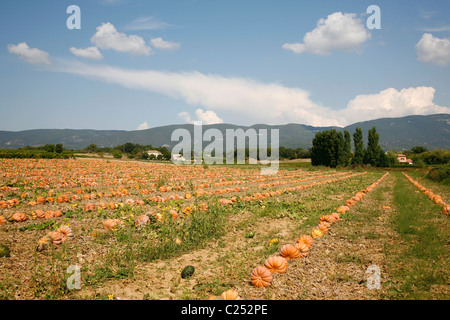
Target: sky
column 133, row 65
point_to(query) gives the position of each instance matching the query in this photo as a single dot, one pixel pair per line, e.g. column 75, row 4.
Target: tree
column 347, row 148
column 117, row 154
column 374, row 155
column 92, row 148
column 418, row 149
column 358, row 142
column 49, row 147
column 59, row 148
column 328, row 149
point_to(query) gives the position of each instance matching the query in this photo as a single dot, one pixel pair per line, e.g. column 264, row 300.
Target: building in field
column 156, row 153
column 403, row 159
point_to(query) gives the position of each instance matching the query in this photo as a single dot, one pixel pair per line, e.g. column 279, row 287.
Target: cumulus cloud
column 161, row 44
column 87, row 53
column 392, row 102
column 107, row 37
column 260, row 102
column 206, row 117
column 143, row 126
column 339, row 31
column 434, row 50
column 30, row 55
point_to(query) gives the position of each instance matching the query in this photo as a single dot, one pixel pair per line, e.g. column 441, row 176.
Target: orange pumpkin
column 342, row 209
column 43, row 243
column 40, row 214
column 276, row 264
column 65, row 232
column 110, row 224
column 48, row 214
column 306, row 239
column 230, row 295
column 261, row 277
column 55, row 237
column 322, row 227
column 142, row 220
column 302, row 248
column 19, row 217
column 89, row 207
column 288, row 251
column 2, row 220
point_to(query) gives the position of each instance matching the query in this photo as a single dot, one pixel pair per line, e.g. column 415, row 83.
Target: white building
column 156, row 153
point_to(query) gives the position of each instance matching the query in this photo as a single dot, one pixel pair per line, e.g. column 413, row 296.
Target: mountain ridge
column 430, row 131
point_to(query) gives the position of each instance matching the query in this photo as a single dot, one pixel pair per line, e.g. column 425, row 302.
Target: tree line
column 332, row 148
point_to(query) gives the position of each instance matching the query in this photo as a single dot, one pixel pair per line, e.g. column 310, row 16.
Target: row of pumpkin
column 437, row 199
column 263, row 275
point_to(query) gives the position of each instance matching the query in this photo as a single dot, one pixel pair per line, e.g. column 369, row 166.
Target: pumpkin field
column 100, row 229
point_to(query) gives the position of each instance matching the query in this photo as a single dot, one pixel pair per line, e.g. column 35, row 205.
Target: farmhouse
column 402, row 158
column 156, row 153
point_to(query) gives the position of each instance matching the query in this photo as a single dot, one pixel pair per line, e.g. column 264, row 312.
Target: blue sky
column 155, row 63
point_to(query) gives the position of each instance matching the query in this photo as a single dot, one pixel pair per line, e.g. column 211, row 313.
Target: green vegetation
column 331, row 149
column 420, row 259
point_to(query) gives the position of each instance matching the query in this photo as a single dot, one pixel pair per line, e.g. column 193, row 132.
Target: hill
column 432, row 131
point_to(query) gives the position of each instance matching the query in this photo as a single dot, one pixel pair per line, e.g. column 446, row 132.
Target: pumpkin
column 142, row 220
column 446, row 210
column 316, row 233
column 306, row 239
column 48, row 214
column 261, row 277
column 43, row 243
column 342, row 209
column 110, row 224
column 336, row 216
column 187, row 272
column 57, row 213
column 288, row 251
column 4, row 251
column 8, row 217
column 215, row 298
column 322, row 227
column 350, row 203
column 66, row 232
column 3, row 220
column 40, row 214
column 303, row 249
column 276, row 264
column 55, row 237
column 230, row 295
column 19, row 217
column 89, row 207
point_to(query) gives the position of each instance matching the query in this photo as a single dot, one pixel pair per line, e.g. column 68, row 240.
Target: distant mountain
column 432, row 131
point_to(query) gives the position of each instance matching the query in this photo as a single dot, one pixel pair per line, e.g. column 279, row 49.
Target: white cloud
column 206, row 117
column 271, row 103
column 433, row 50
column 161, row 44
column 339, row 31
column 107, row 37
column 147, row 23
column 30, row 55
column 88, row 53
column 392, row 103
column 186, row 117
column 143, row 126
